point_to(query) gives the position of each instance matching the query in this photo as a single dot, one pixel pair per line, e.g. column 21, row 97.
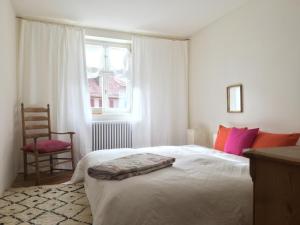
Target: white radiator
column 111, row 134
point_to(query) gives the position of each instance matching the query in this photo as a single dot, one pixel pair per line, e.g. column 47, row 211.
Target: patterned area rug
column 45, row 205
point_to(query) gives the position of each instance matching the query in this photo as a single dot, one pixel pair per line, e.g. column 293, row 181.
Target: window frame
column 105, row 110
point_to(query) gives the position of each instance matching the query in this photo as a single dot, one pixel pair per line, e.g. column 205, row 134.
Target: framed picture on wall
column 235, row 98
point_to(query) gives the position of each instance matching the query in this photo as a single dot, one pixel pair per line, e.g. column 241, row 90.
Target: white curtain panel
column 52, row 70
column 160, row 92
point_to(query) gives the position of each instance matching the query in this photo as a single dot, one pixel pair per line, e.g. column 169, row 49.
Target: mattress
column 203, row 187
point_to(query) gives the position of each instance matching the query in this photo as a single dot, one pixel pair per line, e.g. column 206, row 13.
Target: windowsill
column 112, row 116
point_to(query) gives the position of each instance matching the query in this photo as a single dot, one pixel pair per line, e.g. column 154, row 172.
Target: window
column 109, row 76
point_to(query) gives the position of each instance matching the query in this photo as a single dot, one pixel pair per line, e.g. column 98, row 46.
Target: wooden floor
column 46, row 179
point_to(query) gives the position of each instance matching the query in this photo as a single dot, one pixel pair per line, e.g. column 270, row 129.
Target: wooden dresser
column 276, row 184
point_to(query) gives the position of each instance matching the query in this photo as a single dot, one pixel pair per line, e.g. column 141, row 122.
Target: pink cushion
column 240, row 139
column 47, row 146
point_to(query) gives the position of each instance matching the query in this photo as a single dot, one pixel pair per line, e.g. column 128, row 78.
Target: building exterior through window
column 109, row 76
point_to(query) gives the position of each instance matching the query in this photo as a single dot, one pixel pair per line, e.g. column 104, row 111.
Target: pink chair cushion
column 47, row 146
column 240, row 139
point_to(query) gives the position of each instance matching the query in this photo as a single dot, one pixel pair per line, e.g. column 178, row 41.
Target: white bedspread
column 204, row 187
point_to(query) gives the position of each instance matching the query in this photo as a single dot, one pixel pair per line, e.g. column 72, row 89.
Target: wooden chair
column 36, row 125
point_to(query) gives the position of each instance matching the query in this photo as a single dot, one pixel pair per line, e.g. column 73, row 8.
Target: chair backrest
column 35, row 122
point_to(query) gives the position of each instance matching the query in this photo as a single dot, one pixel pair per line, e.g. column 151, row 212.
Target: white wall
column 8, row 121
column 257, row 45
column 108, row 34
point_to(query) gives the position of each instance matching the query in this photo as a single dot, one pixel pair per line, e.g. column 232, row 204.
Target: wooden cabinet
column 276, row 185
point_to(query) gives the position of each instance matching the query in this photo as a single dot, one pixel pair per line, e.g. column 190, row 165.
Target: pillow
column 239, row 139
column 221, row 139
column 268, row 140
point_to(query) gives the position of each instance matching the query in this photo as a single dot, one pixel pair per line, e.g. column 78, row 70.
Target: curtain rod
column 95, row 28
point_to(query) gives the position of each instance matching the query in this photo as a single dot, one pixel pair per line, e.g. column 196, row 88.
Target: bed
column 204, row 187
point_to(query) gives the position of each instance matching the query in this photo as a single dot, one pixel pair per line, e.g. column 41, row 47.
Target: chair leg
column 37, row 169
column 51, row 164
column 72, row 157
column 25, row 164
column 72, row 152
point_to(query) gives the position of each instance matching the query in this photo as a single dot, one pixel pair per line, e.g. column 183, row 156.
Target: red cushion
column 47, row 146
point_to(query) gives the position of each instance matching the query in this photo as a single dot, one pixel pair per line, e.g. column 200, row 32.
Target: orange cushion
column 268, row 140
column 222, row 136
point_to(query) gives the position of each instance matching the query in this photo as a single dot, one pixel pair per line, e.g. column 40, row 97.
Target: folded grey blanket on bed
column 129, row 166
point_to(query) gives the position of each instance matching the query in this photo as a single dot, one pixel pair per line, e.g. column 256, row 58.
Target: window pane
column 117, row 92
column 117, row 59
column 94, row 60
column 95, row 89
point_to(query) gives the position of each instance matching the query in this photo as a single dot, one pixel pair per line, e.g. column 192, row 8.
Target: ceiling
column 176, row 18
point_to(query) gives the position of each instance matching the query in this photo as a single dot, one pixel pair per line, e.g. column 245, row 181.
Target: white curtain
column 160, row 92
column 52, row 70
